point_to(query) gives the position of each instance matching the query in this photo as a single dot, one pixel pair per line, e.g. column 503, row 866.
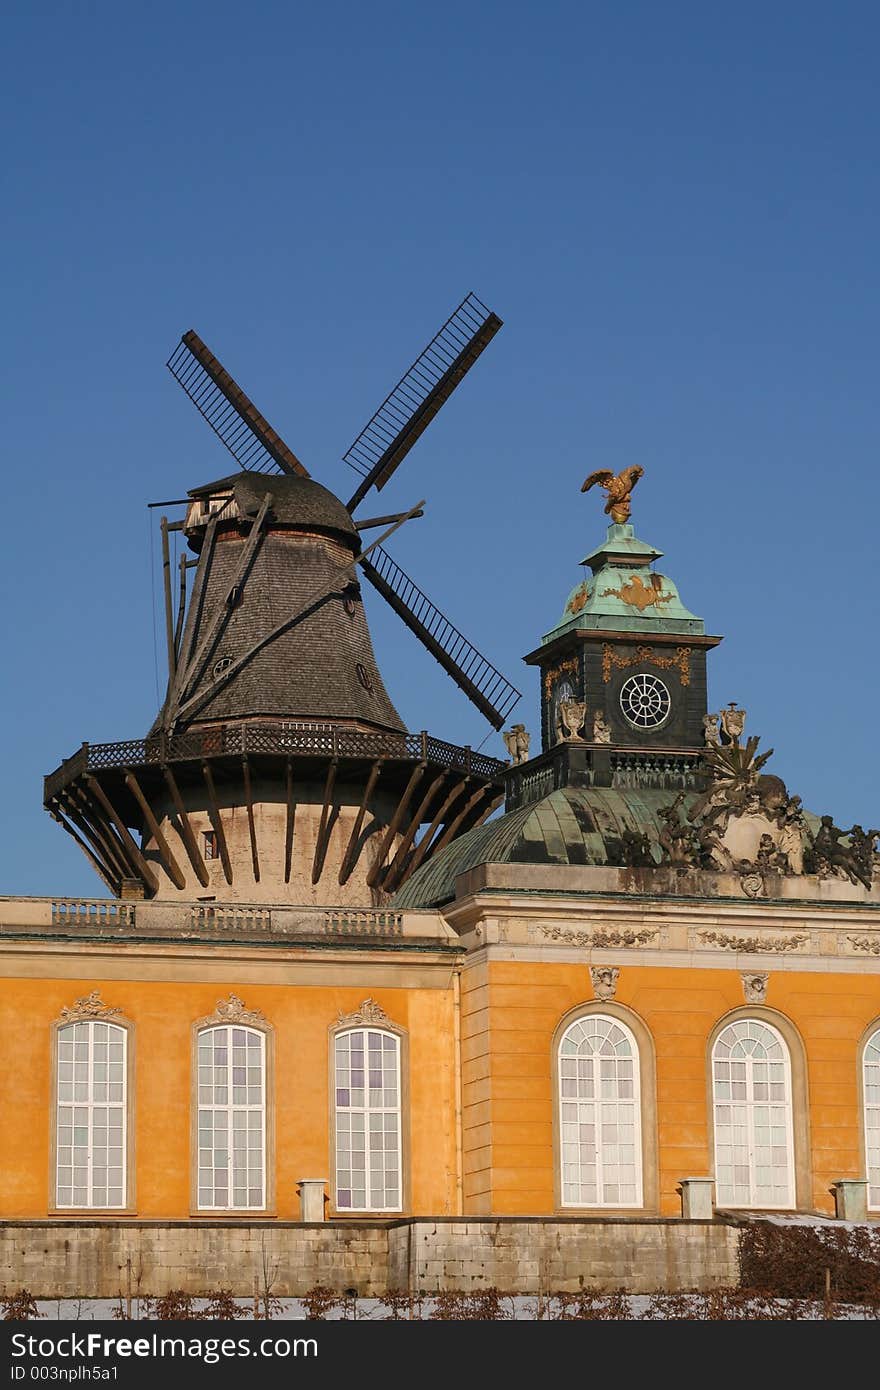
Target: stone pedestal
column 311, row 1198
column 697, row 1198
column 850, row 1199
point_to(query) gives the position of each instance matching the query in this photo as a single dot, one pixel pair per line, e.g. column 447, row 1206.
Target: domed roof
column 574, row 825
column 296, row 502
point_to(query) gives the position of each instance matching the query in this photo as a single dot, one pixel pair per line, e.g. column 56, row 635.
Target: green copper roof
column 624, row 594
column 575, row 825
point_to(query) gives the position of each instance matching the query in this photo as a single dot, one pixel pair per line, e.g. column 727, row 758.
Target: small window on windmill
column 364, row 677
column 209, row 840
column 221, row 665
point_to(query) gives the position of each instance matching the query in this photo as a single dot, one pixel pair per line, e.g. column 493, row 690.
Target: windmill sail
column 492, row 693
column 408, row 410
column 232, row 416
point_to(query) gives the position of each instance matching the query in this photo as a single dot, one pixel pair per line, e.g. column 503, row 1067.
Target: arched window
column 231, row 1118
column 367, row 1120
column 751, row 1095
column 871, row 1095
column 599, row 1114
column 91, row 1121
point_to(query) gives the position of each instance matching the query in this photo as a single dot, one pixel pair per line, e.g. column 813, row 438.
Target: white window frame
column 871, row 1112
column 632, row 1105
column 728, row 1198
column 90, row 1105
column 367, row 1110
column 230, row 1108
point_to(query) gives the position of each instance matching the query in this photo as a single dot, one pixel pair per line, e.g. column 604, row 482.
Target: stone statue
column 570, row 716
column 793, row 835
column 714, row 854
column 862, row 844
column 618, row 488
column 711, row 731
column 601, row 728
column 769, row 858
column 733, row 722
column 830, row 857
column 516, row 740
column 636, row 850
column 679, row 843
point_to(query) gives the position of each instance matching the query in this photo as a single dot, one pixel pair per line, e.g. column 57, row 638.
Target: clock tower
column 623, row 672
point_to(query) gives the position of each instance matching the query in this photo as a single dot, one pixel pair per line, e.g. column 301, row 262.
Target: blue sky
column 674, row 209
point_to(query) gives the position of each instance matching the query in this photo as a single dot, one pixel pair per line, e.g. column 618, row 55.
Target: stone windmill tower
column 278, row 768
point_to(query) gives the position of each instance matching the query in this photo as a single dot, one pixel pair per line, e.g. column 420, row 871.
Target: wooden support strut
column 216, row 823
column 452, row 827
column 100, row 867
column 221, row 614
column 350, row 858
column 144, row 872
column 100, row 836
column 189, row 628
column 288, row 828
column 390, row 875
column 172, row 868
column 324, row 828
column 252, row 830
column 185, row 831
column 422, row 847
column 394, row 825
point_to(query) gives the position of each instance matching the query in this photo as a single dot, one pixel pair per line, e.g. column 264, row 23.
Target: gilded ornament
column 618, row 488
column 640, row 595
column 612, row 658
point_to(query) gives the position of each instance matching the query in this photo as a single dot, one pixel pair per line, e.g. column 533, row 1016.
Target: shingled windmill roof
column 320, row 664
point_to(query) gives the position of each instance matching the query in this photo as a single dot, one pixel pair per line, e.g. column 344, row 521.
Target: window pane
column 367, row 1092
column 597, row 1059
column 86, row 1129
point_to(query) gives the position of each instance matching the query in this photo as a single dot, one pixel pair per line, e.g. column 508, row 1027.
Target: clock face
column 645, row 701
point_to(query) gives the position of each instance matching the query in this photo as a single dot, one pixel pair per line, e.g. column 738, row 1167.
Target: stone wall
column 103, row 1259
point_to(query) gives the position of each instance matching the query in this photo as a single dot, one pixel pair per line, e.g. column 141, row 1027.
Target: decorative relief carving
column 869, row 944
column 604, row 978
column 579, row 597
column 570, row 666
column 234, row 1010
column 600, row 939
column 752, row 885
column 640, row 595
column 88, row 1006
column 752, row 943
column 612, row 658
column 754, row 988
column 369, row 1012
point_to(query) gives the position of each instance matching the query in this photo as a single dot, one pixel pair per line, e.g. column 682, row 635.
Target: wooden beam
column 324, row 827
column 144, row 872
column 101, row 868
column 99, row 833
column 216, row 822
column 221, row 615
column 192, row 617
column 421, row 849
column 172, row 868
column 288, row 828
column 252, row 829
column 452, row 827
column 185, row 830
column 402, row 850
column 350, row 858
column 485, row 812
column 394, row 824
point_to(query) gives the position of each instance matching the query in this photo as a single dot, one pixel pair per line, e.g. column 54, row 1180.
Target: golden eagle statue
column 618, row 487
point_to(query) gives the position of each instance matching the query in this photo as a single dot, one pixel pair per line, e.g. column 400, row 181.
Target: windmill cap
column 297, row 502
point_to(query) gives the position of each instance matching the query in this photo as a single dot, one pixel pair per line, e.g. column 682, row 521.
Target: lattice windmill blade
column 408, row 410
column 231, row 414
column 485, row 687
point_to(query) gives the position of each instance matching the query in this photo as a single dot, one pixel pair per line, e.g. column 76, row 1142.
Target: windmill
column 375, row 456
column 278, row 765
